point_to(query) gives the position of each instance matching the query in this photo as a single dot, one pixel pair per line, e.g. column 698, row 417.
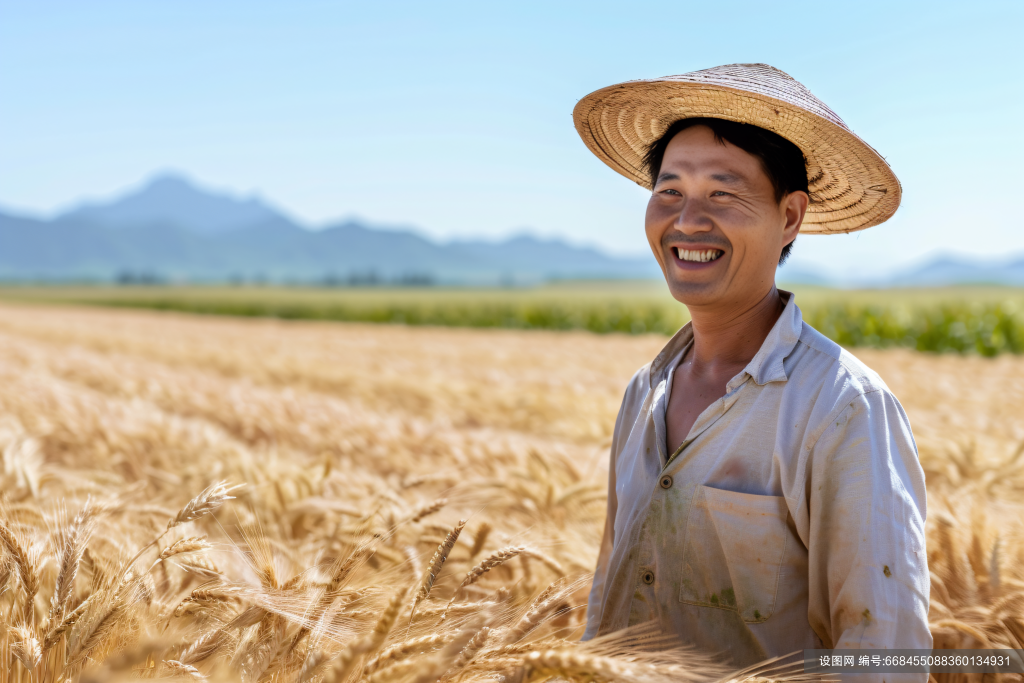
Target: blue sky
column 456, row 117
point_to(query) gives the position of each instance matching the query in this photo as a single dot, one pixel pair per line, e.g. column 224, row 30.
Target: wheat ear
column 6, row 569
column 369, row 643
column 400, row 651
column 396, row 672
column 26, row 569
column 434, row 669
column 96, row 632
column 493, row 560
column 475, row 644
column 201, row 596
column 195, row 544
column 483, row 532
column 26, row 647
column 473, row 575
column 206, row 502
column 211, row 498
column 434, row 568
column 58, row 629
column 429, row 509
column 341, row 573
column 202, row 647
column 533, row 617
column 186, row 545
column 562, row 662
column 72, row 546
column 184, row 670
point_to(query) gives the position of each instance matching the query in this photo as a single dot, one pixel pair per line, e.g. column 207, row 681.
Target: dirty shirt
column 790, row 518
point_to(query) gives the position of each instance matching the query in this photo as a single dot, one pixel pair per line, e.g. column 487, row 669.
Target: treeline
column 354, row 279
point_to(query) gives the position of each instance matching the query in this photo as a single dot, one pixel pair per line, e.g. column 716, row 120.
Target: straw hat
column 851, row 186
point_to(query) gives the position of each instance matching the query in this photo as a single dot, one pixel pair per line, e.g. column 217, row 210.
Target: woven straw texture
column 851, row 185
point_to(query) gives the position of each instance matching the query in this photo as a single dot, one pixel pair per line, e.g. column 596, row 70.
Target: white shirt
column 791, row 517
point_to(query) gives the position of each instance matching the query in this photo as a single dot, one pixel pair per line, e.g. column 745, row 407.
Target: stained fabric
column 791, row 517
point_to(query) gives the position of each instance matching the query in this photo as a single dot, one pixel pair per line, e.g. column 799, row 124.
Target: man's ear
column 795, row 207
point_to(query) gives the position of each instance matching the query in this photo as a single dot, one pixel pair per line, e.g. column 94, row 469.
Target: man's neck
column 730, row 335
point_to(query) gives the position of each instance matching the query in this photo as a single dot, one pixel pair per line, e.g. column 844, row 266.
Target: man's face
column 713, row 221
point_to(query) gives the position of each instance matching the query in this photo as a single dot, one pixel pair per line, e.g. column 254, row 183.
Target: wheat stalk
column 473, row 575
column 186, row 545
column 26, row 647
column 368, row 644
column 58, row 629
column 179, row 669
column 26, row 569
column 96, row 631
column 203, row 647
column 211, row 498
column 435, row 565
column 533, row 617
column 72, row 546
column 468, row 653
column 401, row 650
column 131, row 410
column 433, row 669
column 428, row 509
column 483, row 532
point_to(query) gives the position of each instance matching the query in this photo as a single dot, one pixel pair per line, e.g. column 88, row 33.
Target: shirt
column 790, row 518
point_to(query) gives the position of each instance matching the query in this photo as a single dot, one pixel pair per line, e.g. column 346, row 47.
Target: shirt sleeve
column 868, row 570
column 596, row 597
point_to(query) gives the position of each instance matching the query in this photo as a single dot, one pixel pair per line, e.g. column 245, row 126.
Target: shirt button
column 666, row 482
column 648, row 577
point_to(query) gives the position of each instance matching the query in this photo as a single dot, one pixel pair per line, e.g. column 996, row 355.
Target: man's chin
column 693, row 293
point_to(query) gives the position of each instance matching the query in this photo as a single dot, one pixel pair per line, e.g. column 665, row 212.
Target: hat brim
column 851, row 185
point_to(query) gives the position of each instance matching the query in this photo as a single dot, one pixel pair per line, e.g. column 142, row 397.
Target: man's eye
column 673, row 192
column 719, row 193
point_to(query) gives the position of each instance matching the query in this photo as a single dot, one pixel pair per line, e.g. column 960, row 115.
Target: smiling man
column 765, row 494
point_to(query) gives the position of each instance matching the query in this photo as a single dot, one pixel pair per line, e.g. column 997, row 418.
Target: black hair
column 782, row 161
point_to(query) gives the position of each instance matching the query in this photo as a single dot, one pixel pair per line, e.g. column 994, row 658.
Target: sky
column 456, row 118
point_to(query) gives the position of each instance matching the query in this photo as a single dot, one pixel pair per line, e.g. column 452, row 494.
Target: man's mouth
column 697, row 255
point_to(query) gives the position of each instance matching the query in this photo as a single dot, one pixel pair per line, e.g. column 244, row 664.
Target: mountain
column 949, row 270
column 939, row 271
column 171, row 199
column 171, row 229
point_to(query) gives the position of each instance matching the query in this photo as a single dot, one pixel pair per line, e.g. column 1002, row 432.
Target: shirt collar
column 766, row 365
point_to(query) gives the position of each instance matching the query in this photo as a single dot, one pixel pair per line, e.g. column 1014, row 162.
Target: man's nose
column 692, row 218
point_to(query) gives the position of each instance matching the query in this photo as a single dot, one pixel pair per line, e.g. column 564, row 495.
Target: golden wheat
column 203, row 498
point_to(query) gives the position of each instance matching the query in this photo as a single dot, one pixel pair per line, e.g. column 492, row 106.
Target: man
column 765, row 494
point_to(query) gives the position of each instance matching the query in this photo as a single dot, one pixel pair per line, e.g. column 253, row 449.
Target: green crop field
column 985, row 320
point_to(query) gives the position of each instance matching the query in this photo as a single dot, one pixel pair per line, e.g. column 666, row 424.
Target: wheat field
column 205, row 498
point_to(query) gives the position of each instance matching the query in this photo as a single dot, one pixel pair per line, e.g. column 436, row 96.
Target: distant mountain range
column 940, row 271
column 171, row 230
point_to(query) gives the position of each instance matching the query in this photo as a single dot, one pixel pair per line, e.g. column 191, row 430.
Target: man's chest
column 691, row 393
column 710, row 522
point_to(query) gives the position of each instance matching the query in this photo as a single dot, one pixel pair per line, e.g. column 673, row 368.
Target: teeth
column 699, row 256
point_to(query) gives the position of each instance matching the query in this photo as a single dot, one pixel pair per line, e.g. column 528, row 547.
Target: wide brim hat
column 851, row 185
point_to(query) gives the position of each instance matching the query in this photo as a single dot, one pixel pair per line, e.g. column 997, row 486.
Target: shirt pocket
column 734, row 550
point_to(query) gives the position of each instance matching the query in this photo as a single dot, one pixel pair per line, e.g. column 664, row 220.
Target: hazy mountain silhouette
column 950, row 270
column 170, row 229
column 170, row 199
